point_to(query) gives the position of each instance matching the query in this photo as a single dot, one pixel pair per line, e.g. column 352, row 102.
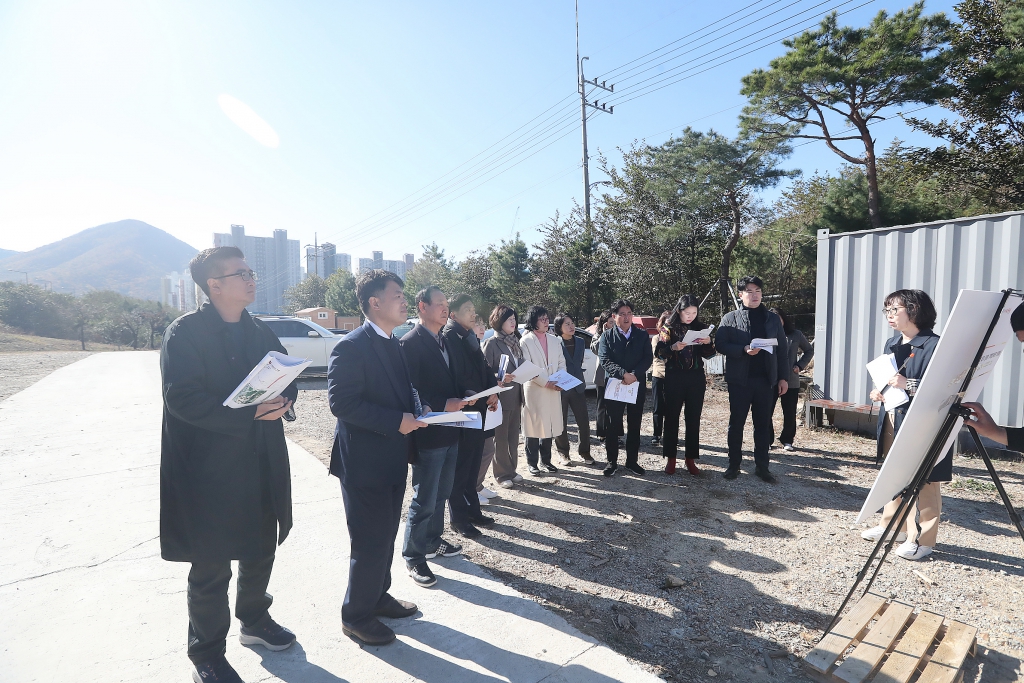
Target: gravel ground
column 764, row 567
column 21, row 370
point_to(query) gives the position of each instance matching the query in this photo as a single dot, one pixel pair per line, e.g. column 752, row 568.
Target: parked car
column 303, row 339
column 405, row 328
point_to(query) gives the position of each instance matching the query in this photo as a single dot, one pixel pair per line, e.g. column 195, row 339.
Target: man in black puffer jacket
column 755, row 376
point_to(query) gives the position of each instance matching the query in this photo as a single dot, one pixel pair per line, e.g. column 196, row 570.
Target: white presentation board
column 962, row 335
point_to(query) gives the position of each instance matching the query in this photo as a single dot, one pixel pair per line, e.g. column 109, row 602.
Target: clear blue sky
column 120, row 109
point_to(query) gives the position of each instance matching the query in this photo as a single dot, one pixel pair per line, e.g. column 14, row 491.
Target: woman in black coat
column 684, row 382
column 911, row 314
column 604, row 321
column 573, row 348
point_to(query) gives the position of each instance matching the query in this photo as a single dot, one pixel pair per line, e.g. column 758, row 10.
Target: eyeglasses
column 246, row 276
column 893, row 310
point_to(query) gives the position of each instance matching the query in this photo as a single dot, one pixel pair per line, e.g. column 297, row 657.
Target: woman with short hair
column 685, row 382
column 542, row 412
column 505, row 343
column 575, row 398
column 911, row 313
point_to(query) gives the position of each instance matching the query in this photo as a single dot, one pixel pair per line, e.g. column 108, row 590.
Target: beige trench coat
column 542, row 414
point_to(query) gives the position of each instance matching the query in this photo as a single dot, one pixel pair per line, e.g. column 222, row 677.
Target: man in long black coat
column 225, row 491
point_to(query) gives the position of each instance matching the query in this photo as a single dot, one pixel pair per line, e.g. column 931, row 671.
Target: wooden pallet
column 890, row 644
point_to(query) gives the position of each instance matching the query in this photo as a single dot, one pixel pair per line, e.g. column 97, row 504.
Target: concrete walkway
column 86, row 596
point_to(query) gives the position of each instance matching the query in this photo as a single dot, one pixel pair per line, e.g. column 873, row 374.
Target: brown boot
column 691, row 466
column 670, row 465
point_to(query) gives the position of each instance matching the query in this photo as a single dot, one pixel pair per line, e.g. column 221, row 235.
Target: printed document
column 525, row 372
column 766, row 344
column 691, row 337
column 564, row 380
column 268, row 379
column 882, row 369
column 493, row 418
column 617, row 391
column 485, row 393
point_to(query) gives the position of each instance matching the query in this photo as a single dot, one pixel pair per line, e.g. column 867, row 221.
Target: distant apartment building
column 343, row 262
column 399, row 268
column 365, row 265
column 276, row 261
column 177, row 290
column 324, row 260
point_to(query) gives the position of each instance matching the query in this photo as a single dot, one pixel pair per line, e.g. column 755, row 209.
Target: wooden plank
column 823, row 657
column 876, row 642
column 945, row 664
column 906, row 657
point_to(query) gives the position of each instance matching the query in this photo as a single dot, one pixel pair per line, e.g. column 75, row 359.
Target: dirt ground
column 764, row 566
column 12, row 342
column 21, row 370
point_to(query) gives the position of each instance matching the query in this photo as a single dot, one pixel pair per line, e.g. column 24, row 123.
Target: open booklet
column 564, row 380
column 268, row 379
column 766, row 344
column 691, row 337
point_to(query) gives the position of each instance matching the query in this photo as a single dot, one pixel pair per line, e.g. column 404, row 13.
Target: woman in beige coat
column 542, row 413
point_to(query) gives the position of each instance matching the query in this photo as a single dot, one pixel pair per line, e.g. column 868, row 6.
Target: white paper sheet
column 766, row 344
column 267, row 380
column 493, row 418
column 564, row 380
column 485, row 393
column 525, row 372
column 691, row 337
column 882, row 369
column 617, row 391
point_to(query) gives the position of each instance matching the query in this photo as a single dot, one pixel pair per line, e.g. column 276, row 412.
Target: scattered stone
column 672, row 581
column 623, row 622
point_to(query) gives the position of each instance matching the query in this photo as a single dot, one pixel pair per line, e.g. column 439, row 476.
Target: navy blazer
column 574, row 365
column 435, row 381
column 923, row 346
column 369, row 393
column 619, row 355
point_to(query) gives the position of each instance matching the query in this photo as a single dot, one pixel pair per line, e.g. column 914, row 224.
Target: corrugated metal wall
column 857, row 269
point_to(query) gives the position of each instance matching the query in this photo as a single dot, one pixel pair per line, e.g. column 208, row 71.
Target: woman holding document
column 576, row 397
column 542, row 414
column 684, row 383
column 504, row 354
column 911, row 314
column 797, row 344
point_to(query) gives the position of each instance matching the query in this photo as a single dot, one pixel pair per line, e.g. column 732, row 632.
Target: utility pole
column 582, row 84
column 316, row 257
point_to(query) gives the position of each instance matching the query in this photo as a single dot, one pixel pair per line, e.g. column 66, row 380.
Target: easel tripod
column 935, row 451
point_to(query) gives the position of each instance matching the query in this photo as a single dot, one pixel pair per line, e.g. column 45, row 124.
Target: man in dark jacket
column 755, row 376
column 625, row 354
column 371, row 394
column 225, row 487
column 432, row 369
column 474, row 376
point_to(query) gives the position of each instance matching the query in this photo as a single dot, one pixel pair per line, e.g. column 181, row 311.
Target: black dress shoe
column 656, row 441
column 482, row 520
column 549, row 467
column 763, row 474
column 731, row 473
column 393, row 608
column 371, row 632
column 215, row 671
column 610, row 469
column 636, row 469
column 534, row 470
column 466, row 530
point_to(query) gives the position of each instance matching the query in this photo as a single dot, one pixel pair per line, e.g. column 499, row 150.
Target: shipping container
column 855, row 270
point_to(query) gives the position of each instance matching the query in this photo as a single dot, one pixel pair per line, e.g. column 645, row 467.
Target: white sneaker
column 487, row 493
column 788, row 447
column 507, row 484
column 913, row 551
column 518, row 478
column 875, row 533
column 484, row 500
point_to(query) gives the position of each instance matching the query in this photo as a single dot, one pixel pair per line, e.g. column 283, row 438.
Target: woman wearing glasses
column 542, row 414
column 911, row 314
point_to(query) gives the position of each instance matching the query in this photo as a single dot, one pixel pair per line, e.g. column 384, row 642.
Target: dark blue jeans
column 433, row 474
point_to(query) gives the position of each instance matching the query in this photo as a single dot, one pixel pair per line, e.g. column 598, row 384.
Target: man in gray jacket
column 755, row 375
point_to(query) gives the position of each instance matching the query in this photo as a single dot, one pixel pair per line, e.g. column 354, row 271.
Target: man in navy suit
column 370, row 392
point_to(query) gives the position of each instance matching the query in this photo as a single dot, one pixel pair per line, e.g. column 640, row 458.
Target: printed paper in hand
column 882, row 369
column 268, row 379
column 525, row 372
column 564, row 380
column 485, row 393
column 691, row 337
column 766, row 344
column 493, row 418
column 617, row 391
column 447, row 419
